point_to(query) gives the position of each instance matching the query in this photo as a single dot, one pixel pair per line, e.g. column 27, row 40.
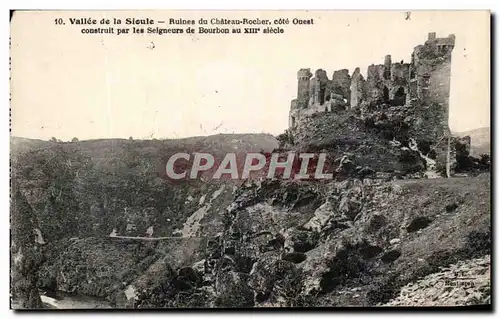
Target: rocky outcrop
column 363, row 254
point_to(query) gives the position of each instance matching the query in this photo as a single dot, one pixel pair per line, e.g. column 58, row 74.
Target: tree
column 74, row 139
column 53, row 139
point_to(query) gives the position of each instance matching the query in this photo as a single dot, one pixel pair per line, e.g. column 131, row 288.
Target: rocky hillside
column 95, row 187
column 463, row 283
column 350, row 243
column 401, row 142
column 81, row 192
column 361, row 239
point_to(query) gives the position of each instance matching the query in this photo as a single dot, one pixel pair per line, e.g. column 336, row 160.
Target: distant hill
column 104, row 147
column 480, row 140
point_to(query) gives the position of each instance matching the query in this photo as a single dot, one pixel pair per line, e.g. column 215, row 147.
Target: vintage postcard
column 250, row 159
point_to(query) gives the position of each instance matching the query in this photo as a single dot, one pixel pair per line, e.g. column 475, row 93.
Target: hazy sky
column 66, row 84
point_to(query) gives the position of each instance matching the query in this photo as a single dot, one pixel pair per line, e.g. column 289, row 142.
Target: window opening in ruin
column 386, row 94
column 399, row 97
column 321, row 96
column 293, row 121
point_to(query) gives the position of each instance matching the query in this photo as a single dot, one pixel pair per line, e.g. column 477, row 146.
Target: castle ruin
column 423, row 82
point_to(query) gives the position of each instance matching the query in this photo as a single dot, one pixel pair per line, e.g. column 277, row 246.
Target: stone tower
column 387, row 67
column 303, row 78
column 430, row 82
column 431, row 66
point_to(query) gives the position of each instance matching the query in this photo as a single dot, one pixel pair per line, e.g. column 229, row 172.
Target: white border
column 200, row 5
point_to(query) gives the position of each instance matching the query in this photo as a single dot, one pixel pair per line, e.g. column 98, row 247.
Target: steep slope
column 69, row 197
column 350, row 243
column 358, row 240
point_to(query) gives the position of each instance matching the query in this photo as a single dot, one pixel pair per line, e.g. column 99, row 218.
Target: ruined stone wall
column 293, row 116
column 341, row 84
column 400, row 74
column 387, row 84
column 375, row 83
column 357, row 88
column 418, row 92
column 424, row 82
column 319, row 93
column 399, row 86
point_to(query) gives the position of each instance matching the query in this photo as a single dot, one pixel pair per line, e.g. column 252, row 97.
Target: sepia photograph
column 260, row 159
